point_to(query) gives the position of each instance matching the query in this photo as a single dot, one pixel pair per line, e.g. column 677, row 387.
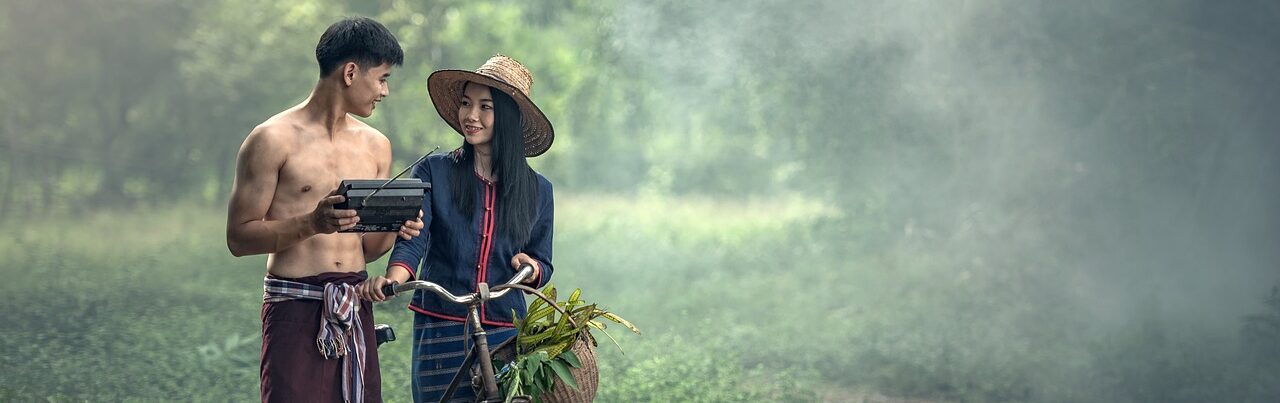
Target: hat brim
column 446, row 86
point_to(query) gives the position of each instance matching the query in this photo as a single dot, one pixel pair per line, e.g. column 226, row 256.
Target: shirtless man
column 287, row 173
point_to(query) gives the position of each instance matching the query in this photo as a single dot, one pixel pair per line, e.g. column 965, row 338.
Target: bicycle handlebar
column 483, row 294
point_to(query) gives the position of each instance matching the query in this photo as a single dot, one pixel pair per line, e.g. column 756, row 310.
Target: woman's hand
column 521, row 259
column 371, row 289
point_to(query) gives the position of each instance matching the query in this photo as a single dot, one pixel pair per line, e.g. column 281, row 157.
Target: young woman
column 487, row 214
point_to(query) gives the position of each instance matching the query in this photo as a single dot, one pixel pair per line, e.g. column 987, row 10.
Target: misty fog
column 977, row 200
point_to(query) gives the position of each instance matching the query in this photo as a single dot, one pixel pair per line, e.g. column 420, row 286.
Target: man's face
column 475, row 114
column 368, row 87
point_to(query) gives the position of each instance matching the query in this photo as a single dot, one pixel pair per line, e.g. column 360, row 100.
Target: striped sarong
column 439, row 347
column 341, row 334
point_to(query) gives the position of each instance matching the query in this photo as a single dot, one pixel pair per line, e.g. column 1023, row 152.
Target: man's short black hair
column 357, row 39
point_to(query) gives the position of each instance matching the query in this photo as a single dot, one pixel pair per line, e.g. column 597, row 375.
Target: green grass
column 144, row 307
column 757, row 300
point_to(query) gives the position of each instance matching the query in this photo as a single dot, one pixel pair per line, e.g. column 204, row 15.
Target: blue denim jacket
column 461, row 250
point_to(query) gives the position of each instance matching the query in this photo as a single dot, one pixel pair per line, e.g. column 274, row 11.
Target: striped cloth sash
column 341, row 333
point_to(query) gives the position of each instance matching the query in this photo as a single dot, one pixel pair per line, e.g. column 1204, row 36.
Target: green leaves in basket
column 544, row 340
column 562, row 370
column 619, row 320
column 570, row 358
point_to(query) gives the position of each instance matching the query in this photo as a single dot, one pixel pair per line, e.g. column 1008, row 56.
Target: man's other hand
column 412, row 227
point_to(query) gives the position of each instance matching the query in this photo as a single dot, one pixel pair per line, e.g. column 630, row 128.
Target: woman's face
column 475, row 114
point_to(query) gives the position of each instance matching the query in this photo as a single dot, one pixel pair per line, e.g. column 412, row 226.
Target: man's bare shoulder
column 372, row 137
column 367, row 132
column 277, row 133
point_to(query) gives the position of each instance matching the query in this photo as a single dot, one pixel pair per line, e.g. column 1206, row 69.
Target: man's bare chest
column 316, row 170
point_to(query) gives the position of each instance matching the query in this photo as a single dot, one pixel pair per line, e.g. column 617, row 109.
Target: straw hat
column 504, row 74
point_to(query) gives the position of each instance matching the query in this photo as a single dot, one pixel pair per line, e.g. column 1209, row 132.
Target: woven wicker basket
column 587, row 376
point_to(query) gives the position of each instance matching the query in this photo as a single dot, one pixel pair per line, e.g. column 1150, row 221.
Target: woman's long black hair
column 517, row 185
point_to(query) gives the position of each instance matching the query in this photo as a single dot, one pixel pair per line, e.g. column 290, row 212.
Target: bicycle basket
column 587, row 376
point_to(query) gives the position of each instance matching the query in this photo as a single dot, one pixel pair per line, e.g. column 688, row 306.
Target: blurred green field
column 145, row 307
column 735, row 305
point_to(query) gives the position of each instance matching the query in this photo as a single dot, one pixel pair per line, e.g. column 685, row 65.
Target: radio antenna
column 406, row 169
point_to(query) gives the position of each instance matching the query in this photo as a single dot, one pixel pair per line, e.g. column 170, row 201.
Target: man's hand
column 412, row 227
column 371, row 289
column 327, row 220
column 521, row 259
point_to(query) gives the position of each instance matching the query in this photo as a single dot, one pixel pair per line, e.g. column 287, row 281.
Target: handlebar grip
column 383, row 333
column 389, row 290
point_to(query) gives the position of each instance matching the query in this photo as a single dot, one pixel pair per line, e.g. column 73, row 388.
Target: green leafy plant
column 545, row 340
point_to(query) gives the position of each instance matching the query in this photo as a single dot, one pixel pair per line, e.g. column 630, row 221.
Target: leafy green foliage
column 535, row 373
column 544, row 338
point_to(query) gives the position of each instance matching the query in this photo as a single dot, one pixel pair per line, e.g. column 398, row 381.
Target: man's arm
column 257, row 171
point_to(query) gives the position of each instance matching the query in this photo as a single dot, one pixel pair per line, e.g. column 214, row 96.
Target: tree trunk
column 115, row 124
column 7, row 179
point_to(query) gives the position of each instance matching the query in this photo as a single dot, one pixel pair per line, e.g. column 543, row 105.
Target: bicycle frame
column 479, row 351
column 480, row 339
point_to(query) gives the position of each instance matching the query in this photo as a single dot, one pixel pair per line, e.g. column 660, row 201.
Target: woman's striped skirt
column 439, row 347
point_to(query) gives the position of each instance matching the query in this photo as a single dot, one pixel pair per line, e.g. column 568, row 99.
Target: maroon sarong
column 293, row 370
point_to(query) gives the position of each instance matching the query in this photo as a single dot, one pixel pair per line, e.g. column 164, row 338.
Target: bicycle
column 485, row 383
